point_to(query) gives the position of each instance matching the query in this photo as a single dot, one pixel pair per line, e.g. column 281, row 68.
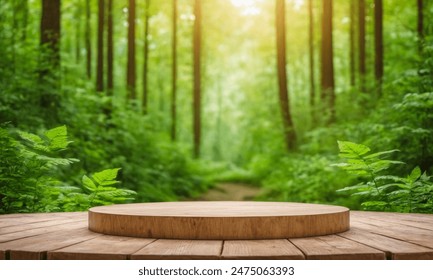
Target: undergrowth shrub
column 29, row 181
column 380, row 190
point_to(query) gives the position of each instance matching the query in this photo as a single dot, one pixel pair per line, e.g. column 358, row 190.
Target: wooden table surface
column 373, row 235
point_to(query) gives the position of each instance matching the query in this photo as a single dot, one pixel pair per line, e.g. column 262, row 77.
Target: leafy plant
column 380, row 191
column 29, row 181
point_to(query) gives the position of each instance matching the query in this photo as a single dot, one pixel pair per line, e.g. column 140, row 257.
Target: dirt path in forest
column 230, row 192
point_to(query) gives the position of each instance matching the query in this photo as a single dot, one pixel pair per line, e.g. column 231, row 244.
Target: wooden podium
column 219, row 220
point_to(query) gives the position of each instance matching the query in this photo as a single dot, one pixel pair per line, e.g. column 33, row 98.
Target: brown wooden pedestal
column 219, row 220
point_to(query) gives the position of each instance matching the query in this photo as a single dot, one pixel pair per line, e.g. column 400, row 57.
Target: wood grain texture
column 333, row 247
column 395, row 249
column 103, row 247
column 413, row 235
column 171, row 249
column 36, row 247
column 414, row 220
column 15, row 220
column 27, row 226
column 273, row 249
column 373, row 235
column 42, row 230
column 219, row 220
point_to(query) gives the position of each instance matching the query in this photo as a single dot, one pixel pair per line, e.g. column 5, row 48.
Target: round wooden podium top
column 219, row 220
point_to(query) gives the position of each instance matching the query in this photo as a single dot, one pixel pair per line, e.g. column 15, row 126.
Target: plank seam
column 29, row 236
column 38, row 227
column 302, row 251
column 387, row 254
column 128, row 257
column 382, row 234
column 222, row 249
column 72, row 244
column 398, row 223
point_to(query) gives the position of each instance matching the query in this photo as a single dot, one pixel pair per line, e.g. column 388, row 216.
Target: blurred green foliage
column 242, row 131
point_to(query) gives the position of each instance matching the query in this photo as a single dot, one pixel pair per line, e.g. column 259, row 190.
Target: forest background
column 169, row 97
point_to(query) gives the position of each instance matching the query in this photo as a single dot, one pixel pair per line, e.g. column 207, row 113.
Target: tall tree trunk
column 50, row 41
column 174, row 71
column 88, row 41
column 131, row 70
column 327, row 57
column 280, row 25
column 378, row 43
column 110, row 47
column 420, row 24
column 100, row 55
column 361, row 42
column 78, row 33
column 15, row 9
column 145, row 96
column 352, row 43
column 197, row 78
column 50, row 29
column 311, row 53
column 25, row 11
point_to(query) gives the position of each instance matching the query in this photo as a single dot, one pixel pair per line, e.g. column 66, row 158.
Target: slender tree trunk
column 50, row 46
column 197, row 78
column 131, row 70
column 420, row 26
column 311, row 50
column 327, row 57
column 25, row 9
column 88, row 41
column 378, row 43
column 78, row 33
column 352, row 43
column 146, row 58
column 110, row 47
column 361, row 42
column 15, row 8
column 100, row 55
column 50, row 31
column 174, row 71
column 280, row 22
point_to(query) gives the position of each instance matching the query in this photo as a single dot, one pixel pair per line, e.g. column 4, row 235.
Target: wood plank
column 41, row 230
column 273, row 249
column 410, row 234
column 103, row 247
column 394, row 249
column 172, row 249
column 333, row 247
column 219, row 220
column 24, row 227
column 14, row 220
column 44, row 215
column 36, row 247
column 398, row 218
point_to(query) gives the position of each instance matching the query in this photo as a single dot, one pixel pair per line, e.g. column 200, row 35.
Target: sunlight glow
column 298, row 4
column 247, row 7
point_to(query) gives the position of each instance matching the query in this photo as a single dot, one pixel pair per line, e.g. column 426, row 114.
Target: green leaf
column 390, row 178
column 362, row 187
column 376, row 155
column 381, row 165
column 88, row 183
column 415, row 174
column 57, row 138
column 106, row 175
column 352, row 150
